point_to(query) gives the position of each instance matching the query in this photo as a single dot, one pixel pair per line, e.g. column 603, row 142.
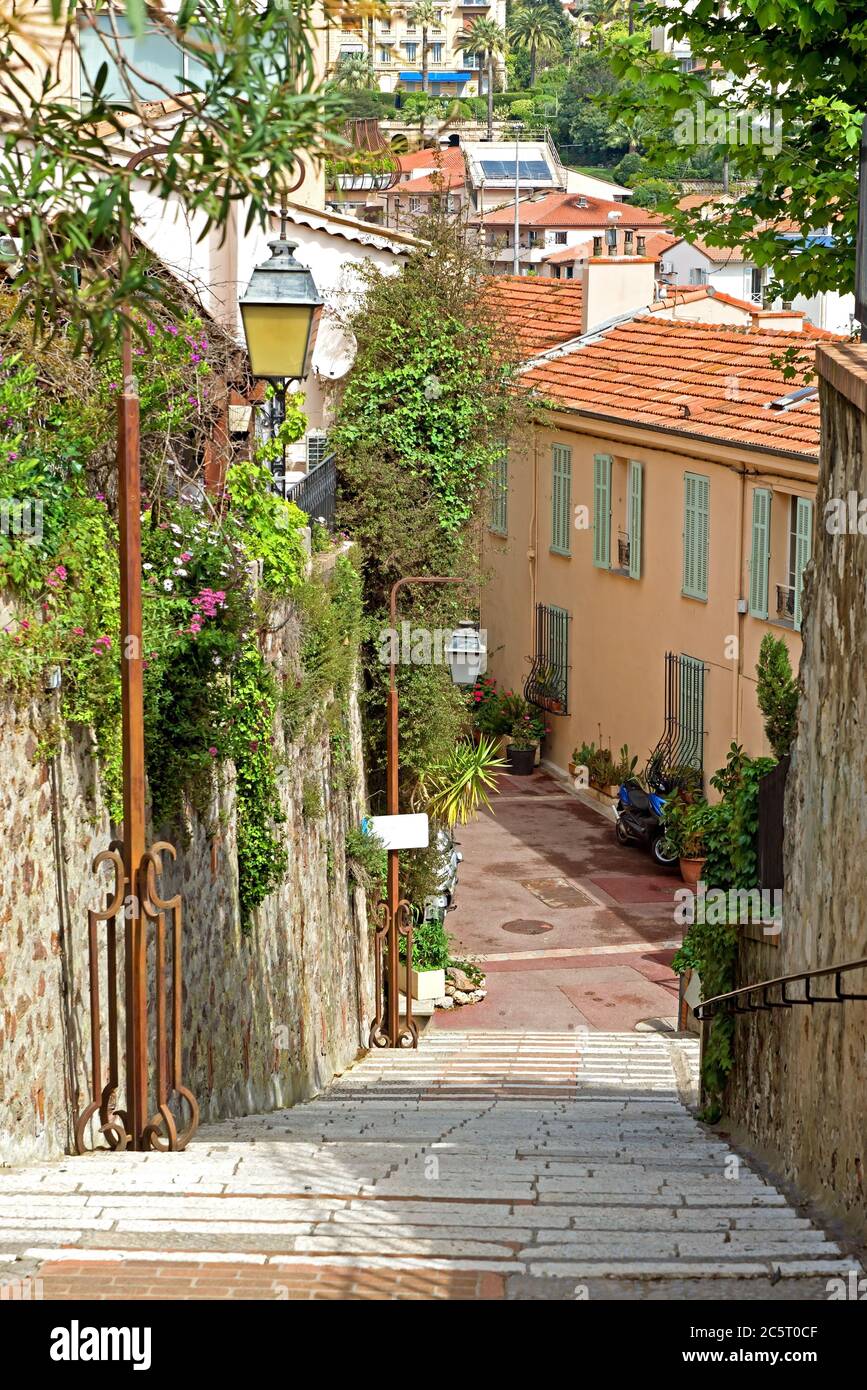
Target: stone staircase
column 563, row 1164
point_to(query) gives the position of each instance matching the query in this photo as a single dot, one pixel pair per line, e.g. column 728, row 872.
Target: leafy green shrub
column 430, row 945
column 367, row 859
column 273, row 528
column 777, row 694
column 711, row 949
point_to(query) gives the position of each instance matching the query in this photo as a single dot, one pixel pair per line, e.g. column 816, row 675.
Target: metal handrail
column 709, row 1007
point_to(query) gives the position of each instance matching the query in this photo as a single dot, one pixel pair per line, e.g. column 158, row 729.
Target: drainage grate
column 524, row 926
column 557, row 892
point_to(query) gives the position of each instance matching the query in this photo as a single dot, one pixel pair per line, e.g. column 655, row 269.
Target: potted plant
column 687, row 824
column 521, row 749
column 430, row 956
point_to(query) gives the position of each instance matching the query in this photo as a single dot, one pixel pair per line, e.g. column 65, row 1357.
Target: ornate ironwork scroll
column 386, row 1029
column 113, row 1123
column 162, row 1132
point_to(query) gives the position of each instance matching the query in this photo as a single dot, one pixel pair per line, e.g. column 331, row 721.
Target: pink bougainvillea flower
column 186, row 555
column 172, row 328
column 24, row 623
column 151, row 329
column 212, row 752
column 60, row 571
column 78, row 632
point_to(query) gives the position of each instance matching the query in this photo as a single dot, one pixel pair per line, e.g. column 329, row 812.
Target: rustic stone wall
column 269, row 1016
column 799, row 1088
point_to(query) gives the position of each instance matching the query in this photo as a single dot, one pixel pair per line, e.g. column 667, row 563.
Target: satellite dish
column 334, row 350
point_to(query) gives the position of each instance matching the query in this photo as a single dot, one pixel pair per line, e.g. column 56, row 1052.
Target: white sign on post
column 399, row 832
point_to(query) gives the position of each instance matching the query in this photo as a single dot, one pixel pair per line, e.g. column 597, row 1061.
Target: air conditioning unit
column 666, row 267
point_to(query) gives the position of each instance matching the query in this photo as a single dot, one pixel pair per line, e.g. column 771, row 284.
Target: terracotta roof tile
column 444, row 182
column 658, row 243
column 691, row 378
column 566, row 210
column 450, row 158
column 540, row 312
column 582, row 251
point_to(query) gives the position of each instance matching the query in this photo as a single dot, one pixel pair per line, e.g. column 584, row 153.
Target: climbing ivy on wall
column 426, row 411
column 209, row 694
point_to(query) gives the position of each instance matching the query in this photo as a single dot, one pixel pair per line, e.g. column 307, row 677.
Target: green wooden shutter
column 602, row 511
column 760, row 552
column 636, row 478
column 561, row 498
column 803, row 549
column 696, row 524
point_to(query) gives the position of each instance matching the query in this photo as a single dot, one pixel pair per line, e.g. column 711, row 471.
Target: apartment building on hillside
column 650, row 529
column 393, row 44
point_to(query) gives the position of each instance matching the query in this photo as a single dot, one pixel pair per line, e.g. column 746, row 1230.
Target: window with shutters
column 760, row 552
column 602, row 465
column 626, row 512
column 499, row 514
column 696, row 526
column 801, row 549
column 561, row 498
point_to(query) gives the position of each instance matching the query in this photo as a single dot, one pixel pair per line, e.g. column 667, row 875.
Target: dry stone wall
column 269, row 1016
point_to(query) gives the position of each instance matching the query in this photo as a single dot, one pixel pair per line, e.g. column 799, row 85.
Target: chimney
column 615, row 285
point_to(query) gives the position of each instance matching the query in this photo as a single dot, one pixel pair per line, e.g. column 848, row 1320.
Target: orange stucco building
column 650, row 528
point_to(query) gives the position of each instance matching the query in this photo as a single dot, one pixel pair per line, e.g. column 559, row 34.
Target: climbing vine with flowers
column 209, row 695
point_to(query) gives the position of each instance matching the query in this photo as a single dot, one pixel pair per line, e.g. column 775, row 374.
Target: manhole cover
column 526, row 927
column 557, row 892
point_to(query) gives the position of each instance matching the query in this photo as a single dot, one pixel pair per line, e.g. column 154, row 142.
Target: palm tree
column 354, row 73
column 535, row 27
column 486, row 38
column 423, row 13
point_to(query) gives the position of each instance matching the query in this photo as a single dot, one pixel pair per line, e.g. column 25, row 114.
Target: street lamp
column 465, row 653
column 277, row 312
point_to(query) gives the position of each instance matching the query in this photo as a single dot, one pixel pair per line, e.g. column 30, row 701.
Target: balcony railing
column 785, row 603
column 317, row 493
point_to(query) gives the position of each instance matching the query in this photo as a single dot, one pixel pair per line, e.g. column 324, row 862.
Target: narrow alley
column 534, row 1146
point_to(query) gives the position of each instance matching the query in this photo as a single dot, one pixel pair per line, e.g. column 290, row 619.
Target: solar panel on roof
column 533, row 169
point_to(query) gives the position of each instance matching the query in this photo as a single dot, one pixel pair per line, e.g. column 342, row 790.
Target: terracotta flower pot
column 691, row 870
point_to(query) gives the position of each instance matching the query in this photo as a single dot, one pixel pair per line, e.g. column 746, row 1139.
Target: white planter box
column 426, row 984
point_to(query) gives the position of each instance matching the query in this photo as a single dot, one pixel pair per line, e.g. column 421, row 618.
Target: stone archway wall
column 799, row 1088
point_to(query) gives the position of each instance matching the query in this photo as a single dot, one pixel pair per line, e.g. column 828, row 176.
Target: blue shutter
column 602, row 511
column 760, row 552
column 803, row 549
column 561, row 498
column 636, row 479
column 696, row 525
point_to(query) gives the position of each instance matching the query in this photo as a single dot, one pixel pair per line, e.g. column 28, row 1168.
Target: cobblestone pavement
column 484, row 1165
